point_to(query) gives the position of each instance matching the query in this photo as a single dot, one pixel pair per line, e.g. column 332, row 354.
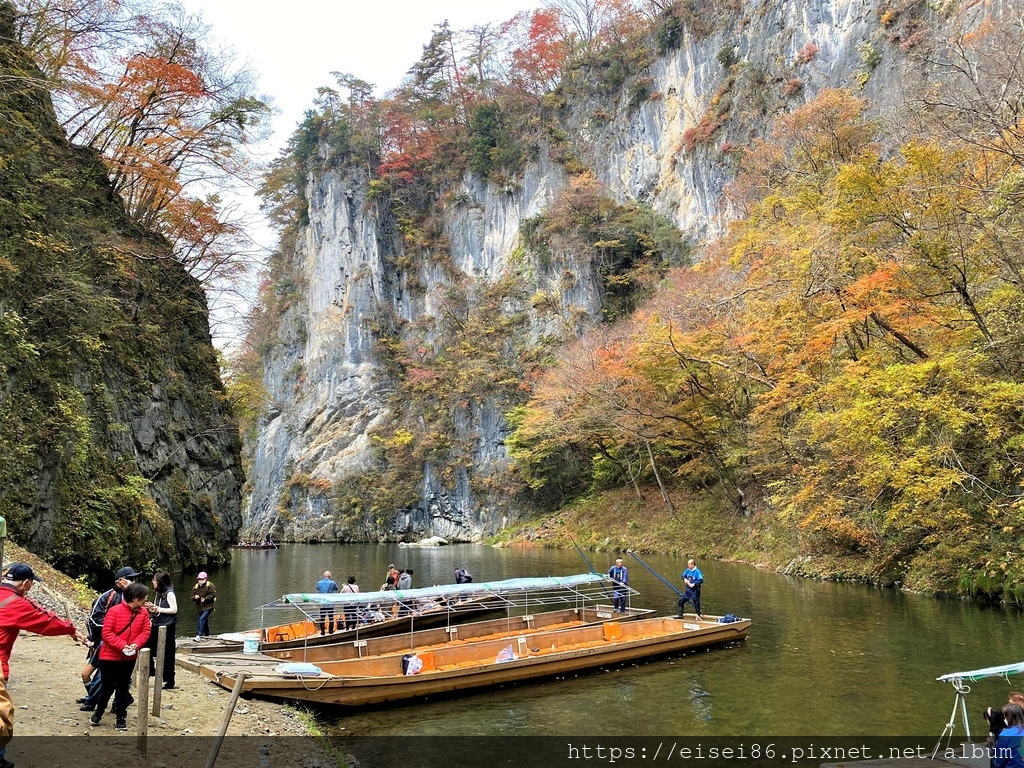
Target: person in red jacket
column 17, row 612
column 125, row 631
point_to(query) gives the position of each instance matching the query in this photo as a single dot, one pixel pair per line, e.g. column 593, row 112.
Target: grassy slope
column 615, row 520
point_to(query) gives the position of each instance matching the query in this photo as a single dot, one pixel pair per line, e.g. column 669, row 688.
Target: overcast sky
column 294, row 46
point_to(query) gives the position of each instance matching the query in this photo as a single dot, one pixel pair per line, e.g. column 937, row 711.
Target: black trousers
column 326, row 622
column 690, row 596
column 117, row 679
column 168, row 671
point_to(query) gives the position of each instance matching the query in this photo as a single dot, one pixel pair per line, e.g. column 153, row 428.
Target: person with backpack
column 163, row 612
column 351, row 617
column 91, row 676
column 125, row 630
column 462, row 576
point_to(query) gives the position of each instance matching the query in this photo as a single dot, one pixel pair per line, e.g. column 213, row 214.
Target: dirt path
column 45, row 683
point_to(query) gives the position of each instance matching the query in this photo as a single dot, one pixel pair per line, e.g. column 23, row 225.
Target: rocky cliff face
column 116, row 441
column 665, row 139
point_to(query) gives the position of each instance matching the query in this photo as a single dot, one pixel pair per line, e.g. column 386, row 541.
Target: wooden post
column 142, row 679
column 158, row 678
column 226, row 720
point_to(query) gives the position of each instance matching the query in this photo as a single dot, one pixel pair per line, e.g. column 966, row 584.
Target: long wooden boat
column 424, row 639
column 377, row 679
column 305, row 632
column 407, row 610
column 254, row 546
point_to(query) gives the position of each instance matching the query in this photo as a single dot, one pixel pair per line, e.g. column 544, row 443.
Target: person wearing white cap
column 204, row 595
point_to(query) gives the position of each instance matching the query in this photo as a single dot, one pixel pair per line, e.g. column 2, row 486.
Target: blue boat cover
column 448, row 591
column 980, row 674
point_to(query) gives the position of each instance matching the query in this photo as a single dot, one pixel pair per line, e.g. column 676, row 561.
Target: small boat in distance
column 265, row 544
column 474, row 665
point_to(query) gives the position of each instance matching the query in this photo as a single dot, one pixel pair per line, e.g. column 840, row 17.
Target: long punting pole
column 590, row 565
column 667, row 583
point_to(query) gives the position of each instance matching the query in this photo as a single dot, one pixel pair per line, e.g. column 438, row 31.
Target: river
column 822, row 657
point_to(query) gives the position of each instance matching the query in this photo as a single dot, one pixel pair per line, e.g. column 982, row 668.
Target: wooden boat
column 254, row 546
column 415, row 608
column 305, row 632
column 426, row 639
column 453, row 668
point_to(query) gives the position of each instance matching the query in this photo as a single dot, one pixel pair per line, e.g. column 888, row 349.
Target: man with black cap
column 102, row 604
column 17, row 612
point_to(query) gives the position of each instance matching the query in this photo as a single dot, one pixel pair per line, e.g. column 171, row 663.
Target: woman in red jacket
column 125, row 631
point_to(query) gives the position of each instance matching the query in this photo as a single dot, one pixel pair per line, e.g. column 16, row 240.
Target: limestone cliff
column 664, row 138
column 116, row 441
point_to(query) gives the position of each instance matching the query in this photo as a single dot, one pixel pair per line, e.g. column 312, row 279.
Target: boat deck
column 263, row 664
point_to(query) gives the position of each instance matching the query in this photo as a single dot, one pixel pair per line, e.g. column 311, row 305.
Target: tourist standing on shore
column 163, row 612
column 91, row 675
column 125, row 630
column 17, row 612
column 204, row 595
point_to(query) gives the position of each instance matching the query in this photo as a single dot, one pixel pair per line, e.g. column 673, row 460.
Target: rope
column 302, row 680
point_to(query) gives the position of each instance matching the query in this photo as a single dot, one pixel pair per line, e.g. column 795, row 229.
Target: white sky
column 294, row 46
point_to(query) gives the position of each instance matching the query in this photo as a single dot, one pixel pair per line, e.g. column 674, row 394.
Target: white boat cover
column 447, row 591
column 980, row 674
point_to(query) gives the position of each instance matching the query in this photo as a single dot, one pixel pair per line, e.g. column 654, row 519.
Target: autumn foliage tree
column 847, row 348
column 171, row 115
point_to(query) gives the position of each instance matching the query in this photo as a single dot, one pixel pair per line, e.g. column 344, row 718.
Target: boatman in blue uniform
column 620, row 576
column 692, row 578
column 326, row 586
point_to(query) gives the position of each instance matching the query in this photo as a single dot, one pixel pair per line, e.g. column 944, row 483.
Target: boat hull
column 474, row 666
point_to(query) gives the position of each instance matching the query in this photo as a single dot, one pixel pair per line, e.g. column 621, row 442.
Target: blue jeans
column 204, row 623
column 93, row 687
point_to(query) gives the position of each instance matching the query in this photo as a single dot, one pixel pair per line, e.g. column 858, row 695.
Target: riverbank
column 45, row 683
column 616, row 520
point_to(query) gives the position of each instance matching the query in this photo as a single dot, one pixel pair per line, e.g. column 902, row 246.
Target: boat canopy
column 980, row 674
column 577, row 584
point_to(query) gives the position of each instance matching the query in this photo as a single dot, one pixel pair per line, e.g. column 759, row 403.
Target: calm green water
column 821, row 659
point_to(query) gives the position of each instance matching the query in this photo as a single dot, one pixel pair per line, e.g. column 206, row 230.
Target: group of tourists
column 353, row 616
column 692, row 579
column 123, row 620
column 349, row 619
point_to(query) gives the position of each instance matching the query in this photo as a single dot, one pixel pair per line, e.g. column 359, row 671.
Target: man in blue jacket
column 692, row 578
column 618, row 574
column 326, row 586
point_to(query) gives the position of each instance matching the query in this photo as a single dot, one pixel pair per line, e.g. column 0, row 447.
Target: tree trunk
column 661, row 486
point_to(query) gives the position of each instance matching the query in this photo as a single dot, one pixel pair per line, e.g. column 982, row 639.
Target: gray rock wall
column 324, row 376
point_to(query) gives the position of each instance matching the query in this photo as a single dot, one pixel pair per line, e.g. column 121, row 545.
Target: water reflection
column 822, row 658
